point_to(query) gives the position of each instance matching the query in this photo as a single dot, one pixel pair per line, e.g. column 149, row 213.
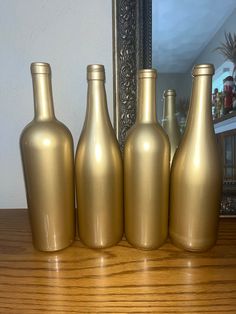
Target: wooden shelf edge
column 225, row 117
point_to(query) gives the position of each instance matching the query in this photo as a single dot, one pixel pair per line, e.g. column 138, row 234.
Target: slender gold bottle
column 47, row 157
column 196, row 177
column 99, row 171
column 146, row 171
column 169, row 121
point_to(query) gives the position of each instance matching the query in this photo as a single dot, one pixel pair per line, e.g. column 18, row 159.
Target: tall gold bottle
column 47, row 157
column 99, row 171
column 146, row 171
column 169, row 121
column 196, row 177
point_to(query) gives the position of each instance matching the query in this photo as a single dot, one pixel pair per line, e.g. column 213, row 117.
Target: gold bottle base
column 59, row 248
column 102, row 246
column 146, row 247
column 181, row 242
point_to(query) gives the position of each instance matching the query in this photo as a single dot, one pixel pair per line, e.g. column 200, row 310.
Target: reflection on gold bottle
column 47, row 157
column 169, row 121
column 196, row 177
column 99, row 171
column 146, row 171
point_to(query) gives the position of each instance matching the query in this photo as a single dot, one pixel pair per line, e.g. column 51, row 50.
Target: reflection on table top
column 120, row 279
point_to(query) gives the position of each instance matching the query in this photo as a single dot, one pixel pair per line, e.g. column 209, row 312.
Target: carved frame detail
column 132, row 50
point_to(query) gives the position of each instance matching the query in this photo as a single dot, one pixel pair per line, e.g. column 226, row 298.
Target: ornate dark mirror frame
column 132, row 50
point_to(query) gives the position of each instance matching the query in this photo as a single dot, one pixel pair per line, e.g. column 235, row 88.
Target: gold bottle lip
column 169, row 92
column 147, row 73
column 40, row 68
column 203, row 69
column 95, row 72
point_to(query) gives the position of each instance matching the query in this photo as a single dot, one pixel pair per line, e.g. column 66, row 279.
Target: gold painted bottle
column 196, row 177
column 99, row 170
column 169, row 121
column 47, row 157
column 146, row 171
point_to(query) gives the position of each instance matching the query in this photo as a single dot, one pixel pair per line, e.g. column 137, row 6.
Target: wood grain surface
column 120, row 279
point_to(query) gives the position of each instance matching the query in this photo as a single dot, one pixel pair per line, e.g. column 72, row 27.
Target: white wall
column 208, row 55
column 69, row 34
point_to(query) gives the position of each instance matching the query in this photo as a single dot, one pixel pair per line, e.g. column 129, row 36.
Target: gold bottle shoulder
column 47, row 133
column 98, row 149
column 147, row 136
column 200, row 157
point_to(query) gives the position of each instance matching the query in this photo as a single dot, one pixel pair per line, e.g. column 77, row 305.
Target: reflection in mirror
column 185, row 33
column 189, row 32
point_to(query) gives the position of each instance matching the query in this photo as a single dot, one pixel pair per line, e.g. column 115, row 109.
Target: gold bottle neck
column 96, row 102
column 43, row 101
column 146, row 111
column 200, row 116
column 169, row 106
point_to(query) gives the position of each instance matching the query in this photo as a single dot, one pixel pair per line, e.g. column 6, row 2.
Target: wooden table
column 115, row 280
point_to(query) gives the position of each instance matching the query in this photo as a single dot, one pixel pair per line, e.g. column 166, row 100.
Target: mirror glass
column 189, row 32
column 185, row 33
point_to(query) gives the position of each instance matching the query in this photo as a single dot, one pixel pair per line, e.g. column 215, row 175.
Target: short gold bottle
column 99, row 170
column 169, row 121
column 47, row 157
column 146, row 171
column 196, row 177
